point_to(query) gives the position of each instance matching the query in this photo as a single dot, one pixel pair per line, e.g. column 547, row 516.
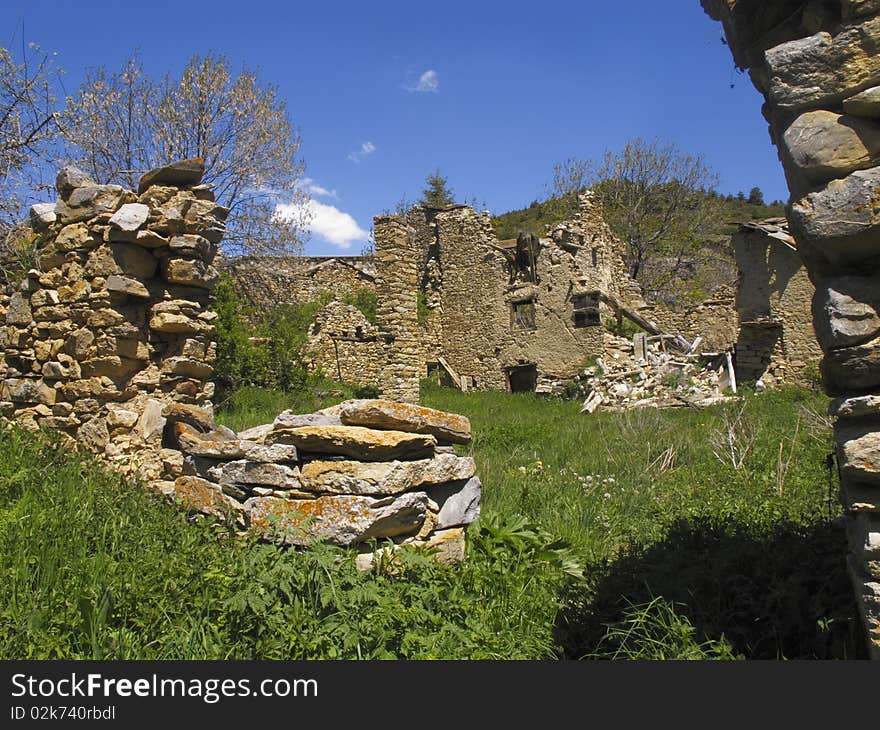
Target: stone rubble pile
column 361, row 471
column 655, row 379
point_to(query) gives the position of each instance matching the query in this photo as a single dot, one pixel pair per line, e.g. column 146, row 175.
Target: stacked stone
column 397, row 281
column 818, row 65
column 111, row 327
column 362, row 471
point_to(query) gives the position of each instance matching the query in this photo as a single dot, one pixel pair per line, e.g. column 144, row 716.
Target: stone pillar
column 397, row 280
column 113, row 327
column 818, row 66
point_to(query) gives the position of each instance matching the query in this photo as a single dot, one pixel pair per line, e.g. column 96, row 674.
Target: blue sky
column 492, row 93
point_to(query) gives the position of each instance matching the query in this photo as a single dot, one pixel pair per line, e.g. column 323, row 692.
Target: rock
column 356, row 442
column 845, row 311
column 864, row 104
column 459, row 502
column 87, row 202
column 824, row 145
column 94, row 435
column 841, row 220
column 857, row 407
column 858, row 451
column 152, row 422
column 128, row 219
column 175, row 324
column 19, row 310
column 189, row 273
column 256, row 473
column 822, row 70
column 189, row 244
column 269, row 454
column 385, row 414
column 187, row 368
column 860, row 498
column 851, row 369
column 42, row 215
column 120, row 417
column 134, row 260
column 70, row 178
column 199, row 418
column 257, row 433
column 288, row 419
column 178, row 174
column 214, row 444
column 448, row 546
column 150, row 239
column 203, row 496
column 342, row 520
column 28, row 391
column 373, row 478
column 124, row 285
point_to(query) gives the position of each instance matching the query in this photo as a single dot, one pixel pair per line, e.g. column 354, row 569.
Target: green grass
column 690, row 542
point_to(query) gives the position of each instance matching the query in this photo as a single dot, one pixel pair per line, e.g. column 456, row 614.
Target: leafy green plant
column 364, row 298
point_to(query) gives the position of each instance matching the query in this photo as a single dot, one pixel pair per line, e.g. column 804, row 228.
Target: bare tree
column 570, row 177
column 27, row 126
column 121, row 124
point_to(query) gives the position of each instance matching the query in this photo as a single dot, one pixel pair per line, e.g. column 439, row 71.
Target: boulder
column 134, row 260
column 858, row 451
column 42, row 215
column 189, row 272
column 172, row 323
column 76, row 237
column 87, row 202
column 177, row 174
column 459, row 502
column 341, row 520
column 124, row 285
column 152, row 422
column 244, row 473
column 372, row 478
column 824, row 145
column 213, row 445
column 356, row 442
column 94, row 435
column 190, row 244
column 391, row 415
column 857, row 407
column 851, row 369
column 842, row 219
column 69, row 178
column 203, row 496
column 845, row 311
column 128, row 219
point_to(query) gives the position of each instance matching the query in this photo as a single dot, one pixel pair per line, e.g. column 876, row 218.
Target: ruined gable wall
column 776, row 339
column 713, row 319
column 343, row 345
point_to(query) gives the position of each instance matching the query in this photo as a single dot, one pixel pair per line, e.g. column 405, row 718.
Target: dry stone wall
column 818, row 66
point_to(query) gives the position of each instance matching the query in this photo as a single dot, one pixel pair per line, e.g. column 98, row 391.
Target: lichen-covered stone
column 385, row 414
column 341, row 520
column 383, row 478
column 203, row 496
column 356, row 442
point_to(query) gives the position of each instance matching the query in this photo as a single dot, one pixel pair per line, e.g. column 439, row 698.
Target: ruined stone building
column 776, row 341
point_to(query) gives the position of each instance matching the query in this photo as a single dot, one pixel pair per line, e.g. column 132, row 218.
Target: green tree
column 756, row 197
column 437, row 194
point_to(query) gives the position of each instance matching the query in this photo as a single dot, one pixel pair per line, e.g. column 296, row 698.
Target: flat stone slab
column 858, row 451
column 256, row 474
column 288, row 419
column 212, row 445
column 181, row 173
column 340, row 520
column 856, row 407
column 384, row 477
column 386, row 414
column 356, row 442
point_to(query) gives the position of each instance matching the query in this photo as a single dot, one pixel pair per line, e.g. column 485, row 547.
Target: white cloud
column 335, row 226
column 428, row 83
column 366, row 149
column 311, row 187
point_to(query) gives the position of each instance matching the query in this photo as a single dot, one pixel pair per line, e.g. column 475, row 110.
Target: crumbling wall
column 818, row 67
column 776, row 341
column 113, row 326
column 713, row 320
column 343, row 344
column 402, row 363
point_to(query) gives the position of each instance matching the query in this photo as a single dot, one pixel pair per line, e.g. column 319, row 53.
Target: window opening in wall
column 595, row 258
column 523, row 315
column 522, row 379
column 586, row 309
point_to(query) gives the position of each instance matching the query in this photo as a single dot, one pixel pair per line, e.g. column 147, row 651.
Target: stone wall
column 818, row 67
column 344, row 345
column 113, row 329
column 776, row 342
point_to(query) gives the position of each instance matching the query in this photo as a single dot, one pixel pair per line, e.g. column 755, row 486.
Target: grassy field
column 652, row 534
